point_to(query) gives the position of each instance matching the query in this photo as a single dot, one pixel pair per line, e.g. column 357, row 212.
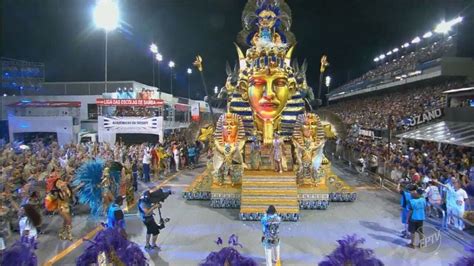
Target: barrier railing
column 381, row 174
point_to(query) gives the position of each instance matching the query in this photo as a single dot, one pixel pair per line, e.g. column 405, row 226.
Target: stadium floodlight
column 444, row 27
column 382, row 56
column 216, row 89
column 427, row 35
column 190, row 71
column 106, row 15
column 405, row 45
column 376, row 59
column 159, row 57
column 395, row 50
column 154, row 48
column 171, row 64
column 389, row 53
column 416, row 40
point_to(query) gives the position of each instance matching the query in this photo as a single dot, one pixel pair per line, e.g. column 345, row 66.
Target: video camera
column 157, row 196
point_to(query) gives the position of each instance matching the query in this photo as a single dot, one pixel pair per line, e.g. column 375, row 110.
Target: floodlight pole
column 106, row 42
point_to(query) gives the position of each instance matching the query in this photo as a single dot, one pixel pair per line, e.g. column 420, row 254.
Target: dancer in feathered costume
column 110, row 247
column 21, row 253
column 98, row 187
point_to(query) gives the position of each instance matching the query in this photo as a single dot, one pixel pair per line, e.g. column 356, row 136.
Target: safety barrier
column 382, row 176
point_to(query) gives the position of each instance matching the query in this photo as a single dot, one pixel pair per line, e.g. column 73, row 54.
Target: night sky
column 61, row 34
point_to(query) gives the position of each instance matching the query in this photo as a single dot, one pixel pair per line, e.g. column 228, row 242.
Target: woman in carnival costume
column 96, row 186
column 59, row 199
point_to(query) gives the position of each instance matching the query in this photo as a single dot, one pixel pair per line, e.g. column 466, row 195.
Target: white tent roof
column 456, row 133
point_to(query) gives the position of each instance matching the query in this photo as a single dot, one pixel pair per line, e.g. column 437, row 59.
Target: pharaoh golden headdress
column 305, row 119
column 220, row 123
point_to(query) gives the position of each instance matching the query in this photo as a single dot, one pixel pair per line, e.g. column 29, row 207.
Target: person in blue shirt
column 115, row 216
column 416, row 216
column 405, row 197
column 271, row 235
column 191, row 155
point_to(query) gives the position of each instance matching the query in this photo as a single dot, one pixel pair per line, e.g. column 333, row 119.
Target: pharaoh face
column 310, row 127
column 229, row 129
column 266, row 19
column 268, row 93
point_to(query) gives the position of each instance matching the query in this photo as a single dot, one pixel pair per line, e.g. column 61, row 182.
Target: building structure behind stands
column 124, row 109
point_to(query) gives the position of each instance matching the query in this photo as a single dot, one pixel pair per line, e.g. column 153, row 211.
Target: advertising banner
column 425, row 117
column 195, row 111
column 130, row 102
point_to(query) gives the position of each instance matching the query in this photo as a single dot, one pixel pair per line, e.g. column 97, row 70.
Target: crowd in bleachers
column 405, row 63
column 373, row 112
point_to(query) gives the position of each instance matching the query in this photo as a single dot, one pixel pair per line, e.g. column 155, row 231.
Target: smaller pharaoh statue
column 308, row 143
column 228, row 146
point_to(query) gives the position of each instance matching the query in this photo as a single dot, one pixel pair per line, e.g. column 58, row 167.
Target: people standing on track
column 271, row 236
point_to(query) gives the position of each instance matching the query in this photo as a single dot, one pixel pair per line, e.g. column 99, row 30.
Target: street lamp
column 189, row 71
column 159, row 58
column 328, row 82
column 106, row 17
column 171, row 65
column 154, row 51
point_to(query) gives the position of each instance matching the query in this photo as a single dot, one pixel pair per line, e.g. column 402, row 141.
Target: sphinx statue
column 308, row 139
column 229, row 140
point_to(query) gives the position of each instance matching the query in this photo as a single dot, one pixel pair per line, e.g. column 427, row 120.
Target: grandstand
column 19, row 76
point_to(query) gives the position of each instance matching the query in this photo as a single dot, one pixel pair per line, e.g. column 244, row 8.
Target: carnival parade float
column 267, row 149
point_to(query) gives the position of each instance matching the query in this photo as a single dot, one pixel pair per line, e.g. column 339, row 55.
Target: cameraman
column 146, row 208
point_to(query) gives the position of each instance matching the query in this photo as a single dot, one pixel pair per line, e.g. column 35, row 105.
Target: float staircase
column 263, row 188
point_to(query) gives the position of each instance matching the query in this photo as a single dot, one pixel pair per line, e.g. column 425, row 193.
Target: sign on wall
column 129, row 102
column 137, row 124
column 426, row 117
column 195, row 111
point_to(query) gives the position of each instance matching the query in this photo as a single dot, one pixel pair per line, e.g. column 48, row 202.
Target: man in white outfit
column 271, row 239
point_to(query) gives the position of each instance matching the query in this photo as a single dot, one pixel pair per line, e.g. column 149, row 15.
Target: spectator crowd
column 373, row 112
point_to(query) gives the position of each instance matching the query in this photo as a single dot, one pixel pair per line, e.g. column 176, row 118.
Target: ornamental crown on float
column 266, row 94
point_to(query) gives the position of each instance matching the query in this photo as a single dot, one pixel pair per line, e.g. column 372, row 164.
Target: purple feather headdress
column 21, row 253
column 228, row 255
column 111, row 241
column 467, row 260
column 349, row 253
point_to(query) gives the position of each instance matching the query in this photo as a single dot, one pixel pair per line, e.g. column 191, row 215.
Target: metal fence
column 383, row 174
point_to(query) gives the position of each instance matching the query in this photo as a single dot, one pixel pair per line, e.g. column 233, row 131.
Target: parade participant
column 146, row 208
column 277, row 153
column 416, row 216
column 271, row 239
column 255, row 157
column 59, row 200
column 29, row 221
column 115, row 216
column 192, row 155
column 135, row 175
column 146, row 164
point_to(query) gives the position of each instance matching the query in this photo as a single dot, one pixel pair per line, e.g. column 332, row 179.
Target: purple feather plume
column 108, row 240
column 467, row 260
column 21, row 253
column 229, row 255
column 349, row 253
